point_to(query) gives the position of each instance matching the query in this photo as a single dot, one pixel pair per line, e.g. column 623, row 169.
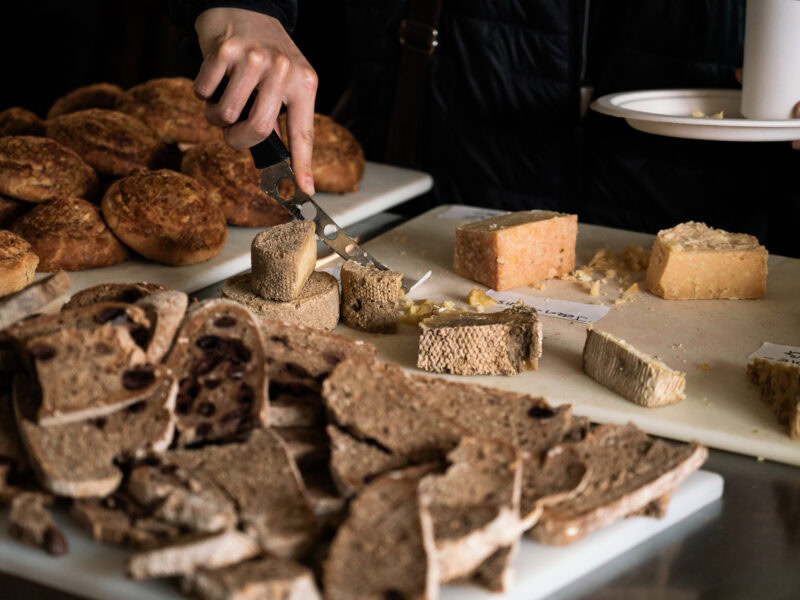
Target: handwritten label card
column 560, row 309
column 460, row 212
column 778, row 353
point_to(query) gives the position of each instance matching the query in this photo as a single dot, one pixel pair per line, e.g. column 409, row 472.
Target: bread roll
column 19, row 121
column 165, row 216
column 69, row 234
column 17, row 263
column 38, row 169
column 96, row 95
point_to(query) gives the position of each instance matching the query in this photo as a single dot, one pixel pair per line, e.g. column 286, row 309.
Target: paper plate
column 669, row 112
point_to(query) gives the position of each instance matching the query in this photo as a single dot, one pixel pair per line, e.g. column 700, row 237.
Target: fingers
column 263, row 115
column 300, row 125
column 739, row 74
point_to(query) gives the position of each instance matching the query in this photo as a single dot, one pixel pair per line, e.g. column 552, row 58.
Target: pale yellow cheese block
column 692, row 261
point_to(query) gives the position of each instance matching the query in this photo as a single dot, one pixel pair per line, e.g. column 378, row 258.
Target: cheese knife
column 272, row 158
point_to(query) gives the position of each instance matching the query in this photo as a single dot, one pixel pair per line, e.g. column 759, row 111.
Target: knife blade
column 278, row 182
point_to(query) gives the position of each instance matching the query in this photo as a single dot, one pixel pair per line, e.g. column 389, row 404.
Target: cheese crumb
column 698, row 114
column 539, row 286
column 719, row 115
column 595, row 289
column 477, row 297
column 704, row 366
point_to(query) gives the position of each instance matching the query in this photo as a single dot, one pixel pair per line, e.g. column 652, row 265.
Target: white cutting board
column 382, row 187
column 722, row 408
column 97, row 571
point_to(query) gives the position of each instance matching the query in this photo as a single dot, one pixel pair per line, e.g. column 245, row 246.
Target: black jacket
column 501, row 124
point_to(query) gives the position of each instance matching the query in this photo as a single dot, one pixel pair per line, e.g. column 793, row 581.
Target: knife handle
column 267, row 152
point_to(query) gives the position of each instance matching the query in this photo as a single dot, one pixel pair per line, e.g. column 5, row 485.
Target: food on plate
column 11, row 210
column 233, row 183
column 695, row 261
column 779, row 384
column 218, row 359
column 165, row 216
column 473, row 506
column 639, row 377
column 95, row 95
column 499, row 343
column 381, row 549
column 165, row 310
column 621, row 268
column 337, row 163
column 110, row 141
column 414, row 311
column 477, row 297
column 31, row 523
column 282, row 258
column 169, row 106
column 370, row 297
column 37, row 169
column 17, row 263
column 265, row 577
column 112, row 292
column 186, row 555
column 516, row 249
column 317, row 306
column 699, row 114
column 69, row 234
column 79, row 459
column 32, row 298
column 627, row 471
column 20, row 121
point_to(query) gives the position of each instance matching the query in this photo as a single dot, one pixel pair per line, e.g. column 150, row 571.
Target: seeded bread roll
column 69, row 234
column 96, row 95
column 233, row 182
column 168, row 105
column 317, row 306
column 369, row 297
column 11, row 210
column 165, row 216
column 282, row 258
column 112, row 142
column 19, row 121
column 338, row 159
column 17, row 262
column 36, row 169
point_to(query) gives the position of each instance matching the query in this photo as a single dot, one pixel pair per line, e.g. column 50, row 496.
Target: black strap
column 418, row 36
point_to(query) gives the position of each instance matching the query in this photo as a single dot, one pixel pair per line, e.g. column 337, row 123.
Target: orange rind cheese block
column 516, row 249
column 693, row 261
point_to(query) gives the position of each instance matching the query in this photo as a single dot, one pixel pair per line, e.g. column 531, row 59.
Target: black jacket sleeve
column 183, row 13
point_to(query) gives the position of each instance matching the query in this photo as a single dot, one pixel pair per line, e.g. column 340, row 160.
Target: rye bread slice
column 305, row 444
column 31, row 523
column 282, row 257
column 383, row 548
column 165, row 309
column 118, row 520
column 326, row 502
column 354, row 462
column 499, row 343
column 29, row 300
column 218, row 358
column 11, row 449
column 78, row 459
column 474, row 505
column 266, row 578
column 419, row 417
column 628, row 470
column 370, row 297
column 300, row 407
column 187, row 555
column 112, row 292
column 261, row 478
column 180, row 498
column 85, row 374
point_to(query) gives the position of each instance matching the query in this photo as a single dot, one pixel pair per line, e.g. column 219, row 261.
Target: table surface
column 746, row 545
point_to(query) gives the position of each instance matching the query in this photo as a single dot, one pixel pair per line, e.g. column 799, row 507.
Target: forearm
column 184, row 13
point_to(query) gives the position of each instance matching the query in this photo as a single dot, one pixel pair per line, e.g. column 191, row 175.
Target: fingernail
column 308, row 180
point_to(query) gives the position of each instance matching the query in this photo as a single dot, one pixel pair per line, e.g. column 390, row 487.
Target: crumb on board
column 477, row 297
column 760, row 458
column 539, row 286
column 595, row 289
column 606, row 266
column 704, row 366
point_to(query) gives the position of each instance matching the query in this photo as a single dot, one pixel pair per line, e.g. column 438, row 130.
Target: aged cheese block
column 780, row 388
column 317, row 306
column 516, row 249
column 370, row 297
column 692, row 261
column 637, row 376
column 283, row 257
column 501, row 343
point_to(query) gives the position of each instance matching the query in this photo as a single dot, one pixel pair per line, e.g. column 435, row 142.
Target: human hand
column 257, row 54
column 795, row 110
